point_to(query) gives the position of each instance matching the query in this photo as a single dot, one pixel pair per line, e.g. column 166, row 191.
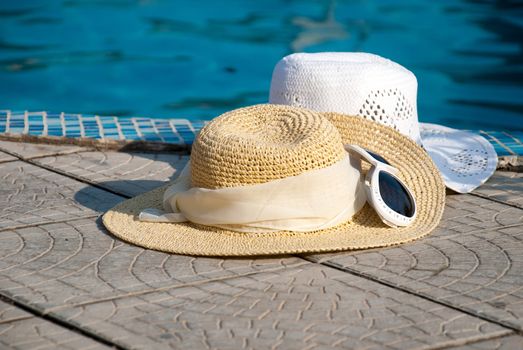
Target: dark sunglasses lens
column 395, row 195
column 378, row 157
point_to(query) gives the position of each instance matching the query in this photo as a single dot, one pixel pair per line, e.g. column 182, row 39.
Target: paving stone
column 53, row 265
column 31, row 195
column 473, row 261
column 504, row 186
column 125, row 173
column 306, row 307
column 21, row 330
column 31, row 150
column 4, row 157
column 36, row 333
column 142, row 298
column 513, row 342
column 9, row 313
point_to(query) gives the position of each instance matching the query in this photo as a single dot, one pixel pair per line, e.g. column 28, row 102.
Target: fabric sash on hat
column 314, row 200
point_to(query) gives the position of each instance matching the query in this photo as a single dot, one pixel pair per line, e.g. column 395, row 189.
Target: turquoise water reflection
column 197, row 60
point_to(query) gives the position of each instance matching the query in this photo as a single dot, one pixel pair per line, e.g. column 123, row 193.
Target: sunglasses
column 389, row 196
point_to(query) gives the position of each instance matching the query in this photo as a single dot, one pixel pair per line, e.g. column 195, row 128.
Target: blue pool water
column 195, row 60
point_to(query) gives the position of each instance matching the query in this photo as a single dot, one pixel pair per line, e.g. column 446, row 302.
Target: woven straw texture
column 262, row 143
column 275, row 138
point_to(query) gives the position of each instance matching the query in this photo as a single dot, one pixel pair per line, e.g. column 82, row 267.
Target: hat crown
column 262, row 143
column 353, row 83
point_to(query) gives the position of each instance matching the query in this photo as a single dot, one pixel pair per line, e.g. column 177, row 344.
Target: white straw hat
column 267, row 151
column 370, row 86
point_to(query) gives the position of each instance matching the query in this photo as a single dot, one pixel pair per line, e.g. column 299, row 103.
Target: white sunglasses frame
column 372, row 189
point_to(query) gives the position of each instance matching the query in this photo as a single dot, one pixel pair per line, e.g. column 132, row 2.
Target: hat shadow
column 128, row 188
column 88, row 197
column 118, row 191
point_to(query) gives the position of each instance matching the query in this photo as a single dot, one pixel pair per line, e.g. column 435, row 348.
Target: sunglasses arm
column 387, row 168
column 363, row 154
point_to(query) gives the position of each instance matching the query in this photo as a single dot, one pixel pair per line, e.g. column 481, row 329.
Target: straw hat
column 257, row 145
column 373, row 87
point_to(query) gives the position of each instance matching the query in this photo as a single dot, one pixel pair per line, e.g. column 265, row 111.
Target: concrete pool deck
column 67, row 283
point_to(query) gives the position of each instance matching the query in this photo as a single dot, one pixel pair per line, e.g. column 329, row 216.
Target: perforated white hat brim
column 465, row 160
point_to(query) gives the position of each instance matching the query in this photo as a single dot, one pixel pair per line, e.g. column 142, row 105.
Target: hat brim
column 365, row 230
column 465, row 160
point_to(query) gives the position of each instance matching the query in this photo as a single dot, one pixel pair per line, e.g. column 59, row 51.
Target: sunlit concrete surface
column 66, row 283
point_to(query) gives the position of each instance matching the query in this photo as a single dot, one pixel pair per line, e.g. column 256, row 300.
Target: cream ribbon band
column 315, row 200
